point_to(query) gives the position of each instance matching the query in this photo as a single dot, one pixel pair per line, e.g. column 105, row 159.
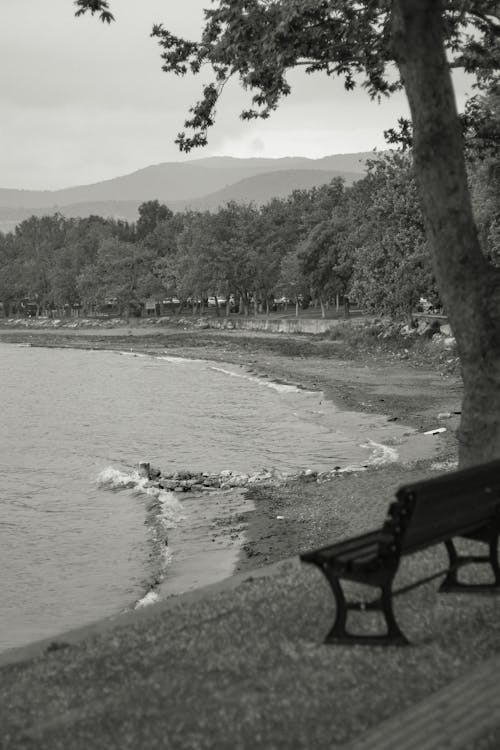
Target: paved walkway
column 453, row 718
column 242, row 665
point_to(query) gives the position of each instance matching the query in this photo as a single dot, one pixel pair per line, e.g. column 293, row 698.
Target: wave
column 150, row 598
column 114, row 479
column 163, row 511
column 275, row 385
column 178, row 360
column 380, row 454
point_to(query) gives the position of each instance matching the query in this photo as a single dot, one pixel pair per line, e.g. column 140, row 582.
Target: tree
column 482, row 120
column 292, row 282
column 234, row 251
column 260, row 40
column 468, row 283
column 190, row 269
column 151, row 214
column 274, row 237
column 37, row 240
column 11, row 281
column 121, row 273
column 101, row 7
column 323, row 253
column 392, row 264
column 324, row 262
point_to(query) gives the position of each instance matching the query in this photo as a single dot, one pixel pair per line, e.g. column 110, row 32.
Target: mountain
column 342, row 162
column 262, row 187
column 199, row 183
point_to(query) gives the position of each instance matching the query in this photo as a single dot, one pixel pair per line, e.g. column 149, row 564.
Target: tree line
column 367, row 242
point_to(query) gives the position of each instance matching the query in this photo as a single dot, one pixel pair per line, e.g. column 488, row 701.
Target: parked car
column 214, row 301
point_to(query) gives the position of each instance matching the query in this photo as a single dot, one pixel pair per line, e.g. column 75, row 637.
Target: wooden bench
column 463, row 503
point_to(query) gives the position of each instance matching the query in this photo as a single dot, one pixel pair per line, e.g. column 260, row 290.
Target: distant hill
column 342, row 162
column 200, row 183
column 262, row 187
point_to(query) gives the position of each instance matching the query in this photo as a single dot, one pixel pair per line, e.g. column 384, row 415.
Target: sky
column 82, row 101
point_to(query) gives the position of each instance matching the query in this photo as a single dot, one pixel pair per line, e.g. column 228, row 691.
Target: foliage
column 324, row 254
column 260, row 40
column 392, row 263
column 292, row 282
column 151, row 214
column 101, row 7
column 367, row 241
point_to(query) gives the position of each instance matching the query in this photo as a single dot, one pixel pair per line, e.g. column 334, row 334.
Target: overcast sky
column 82, row 101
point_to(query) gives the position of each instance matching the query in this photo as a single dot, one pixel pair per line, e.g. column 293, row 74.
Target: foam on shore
column 163, row 512
column 280, row 387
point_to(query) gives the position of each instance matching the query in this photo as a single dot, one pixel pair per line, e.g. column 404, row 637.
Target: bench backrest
column 451, row 504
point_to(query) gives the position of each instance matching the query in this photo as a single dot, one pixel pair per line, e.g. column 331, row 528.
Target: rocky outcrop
column 199, row 482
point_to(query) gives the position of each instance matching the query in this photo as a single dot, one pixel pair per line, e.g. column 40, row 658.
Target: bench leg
column 339, row 633
column 451, row 584
column 494, row 559
column 394, row 633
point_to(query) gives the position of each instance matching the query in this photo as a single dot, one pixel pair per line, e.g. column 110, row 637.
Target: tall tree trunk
column 468, row 284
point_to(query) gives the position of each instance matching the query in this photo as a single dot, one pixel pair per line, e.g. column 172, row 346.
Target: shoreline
column 375, row 385
column 353, row 384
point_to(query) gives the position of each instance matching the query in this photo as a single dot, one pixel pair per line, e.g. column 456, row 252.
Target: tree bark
column 468, row 284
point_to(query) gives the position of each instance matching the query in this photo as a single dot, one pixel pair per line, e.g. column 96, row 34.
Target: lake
column 76, row 538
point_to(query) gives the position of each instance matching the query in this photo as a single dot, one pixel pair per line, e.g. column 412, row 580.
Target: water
column 79, row 537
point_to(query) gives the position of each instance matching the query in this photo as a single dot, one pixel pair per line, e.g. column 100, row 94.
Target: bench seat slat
column 370, row 551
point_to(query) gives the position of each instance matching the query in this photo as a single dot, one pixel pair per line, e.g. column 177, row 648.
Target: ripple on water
column 71, row 551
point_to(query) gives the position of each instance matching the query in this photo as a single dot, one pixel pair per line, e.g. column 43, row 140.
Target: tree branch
column 95, row 6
